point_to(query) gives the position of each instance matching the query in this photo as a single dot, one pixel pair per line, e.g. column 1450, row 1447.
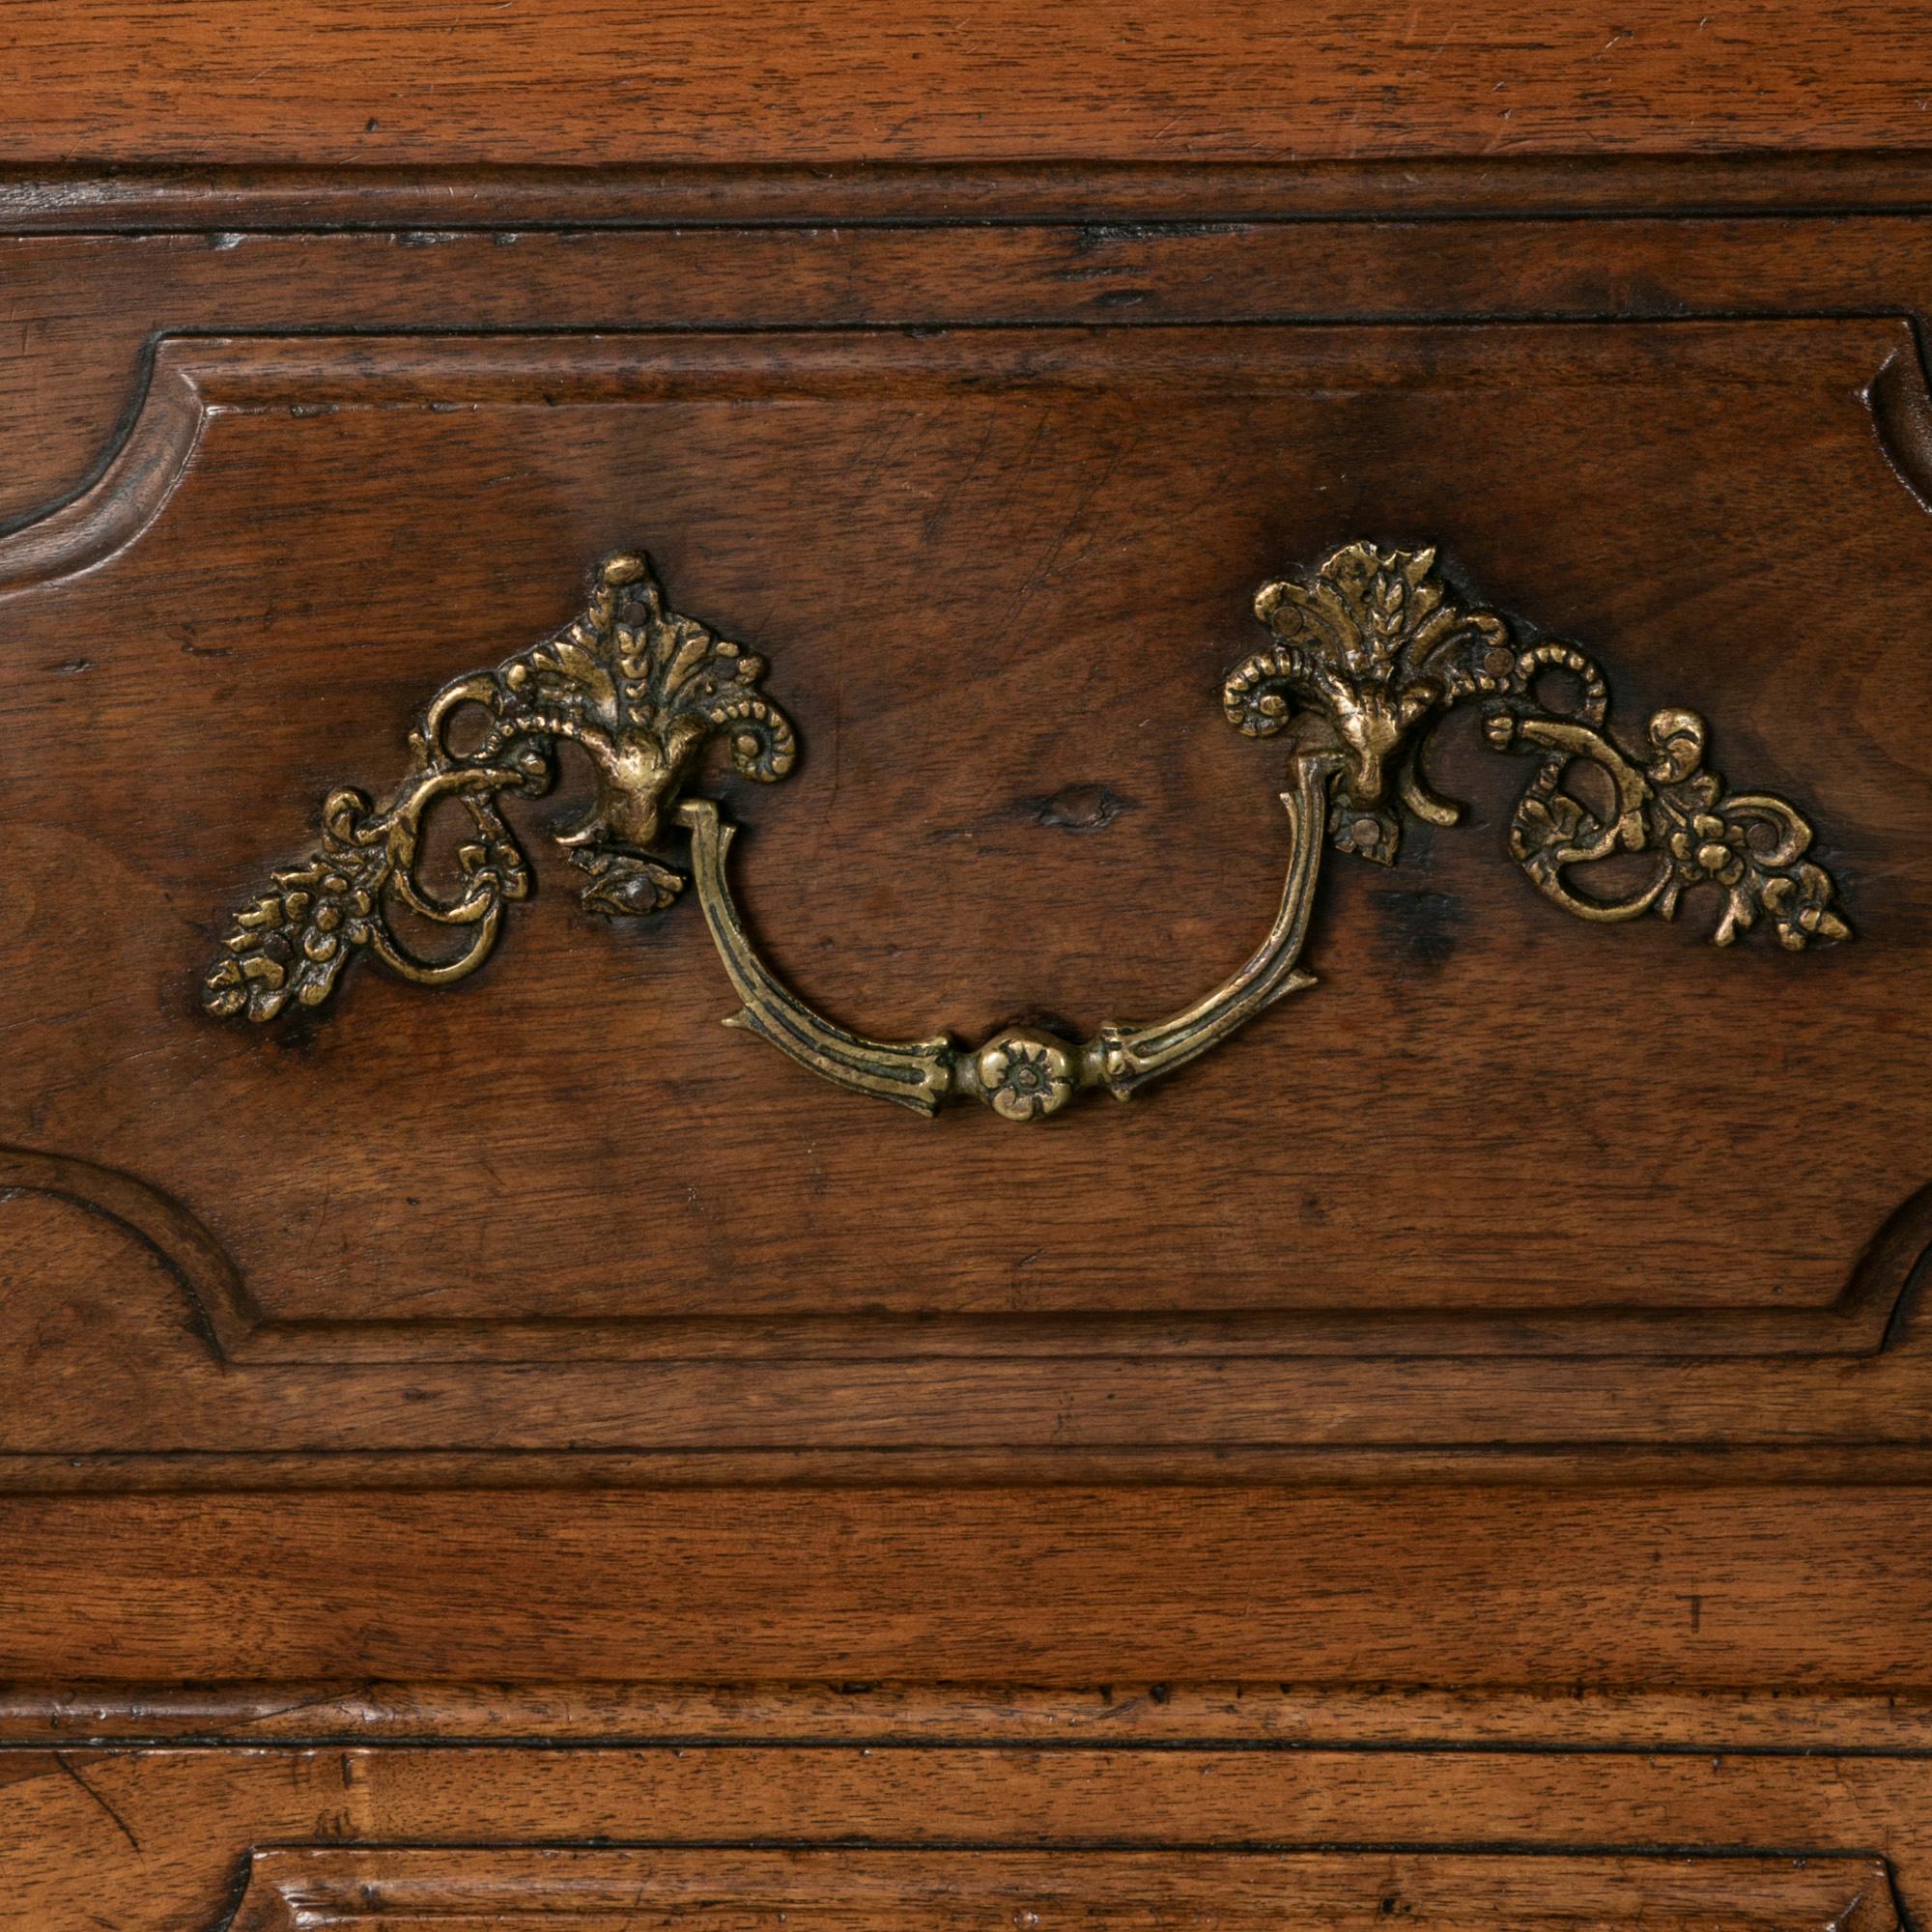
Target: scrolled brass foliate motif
column 1374, row 648
column 641, row 691
column 1370, row 650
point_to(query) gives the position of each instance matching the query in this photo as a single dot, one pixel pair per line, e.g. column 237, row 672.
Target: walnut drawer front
column 1315, row 655
column 989, row 504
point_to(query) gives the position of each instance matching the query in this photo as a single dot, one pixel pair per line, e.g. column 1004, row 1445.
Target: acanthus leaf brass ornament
column 1374, row 648
column 1370, row 651
column 639, row 688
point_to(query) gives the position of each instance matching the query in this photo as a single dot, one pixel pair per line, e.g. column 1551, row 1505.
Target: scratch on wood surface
column 120, row 1824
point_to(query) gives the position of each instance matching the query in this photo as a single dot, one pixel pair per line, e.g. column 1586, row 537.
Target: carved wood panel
column 1443, row 965
column 1010, row 590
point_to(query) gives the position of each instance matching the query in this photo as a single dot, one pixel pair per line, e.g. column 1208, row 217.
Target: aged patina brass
column 639, row 688
column 1374, row 648
column 1370, row 650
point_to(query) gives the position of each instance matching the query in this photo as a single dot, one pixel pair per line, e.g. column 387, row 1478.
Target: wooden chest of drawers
column 1023, row 574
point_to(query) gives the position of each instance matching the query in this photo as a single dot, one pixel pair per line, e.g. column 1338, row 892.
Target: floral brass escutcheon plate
column 1370, row 651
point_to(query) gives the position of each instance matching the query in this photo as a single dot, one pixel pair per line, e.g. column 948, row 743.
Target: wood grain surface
column 733, row 80
column 1812, row 1587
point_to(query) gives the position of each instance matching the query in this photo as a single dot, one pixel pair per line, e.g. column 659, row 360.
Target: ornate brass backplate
column 1370, row 650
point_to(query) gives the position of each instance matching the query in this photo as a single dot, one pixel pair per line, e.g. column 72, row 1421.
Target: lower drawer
column 1203, row 1815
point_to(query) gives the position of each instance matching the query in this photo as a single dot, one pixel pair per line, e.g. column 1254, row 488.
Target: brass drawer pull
column 1370, row 650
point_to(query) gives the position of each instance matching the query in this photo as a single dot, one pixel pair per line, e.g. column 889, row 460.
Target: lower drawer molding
column 722, row 1890
column 722, row 1836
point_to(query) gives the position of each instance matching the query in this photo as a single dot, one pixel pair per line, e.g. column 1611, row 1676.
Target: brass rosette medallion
column 1369, row 652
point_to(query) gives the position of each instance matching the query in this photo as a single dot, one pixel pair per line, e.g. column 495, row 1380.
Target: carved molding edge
column 1881, row 1310
column 1901, row 413
column 300, row 1886
column 221, row 1312
column 183, row 378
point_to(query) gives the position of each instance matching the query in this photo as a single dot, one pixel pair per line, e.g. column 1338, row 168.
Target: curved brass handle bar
column 1020, row 1072
column 1369, row 651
